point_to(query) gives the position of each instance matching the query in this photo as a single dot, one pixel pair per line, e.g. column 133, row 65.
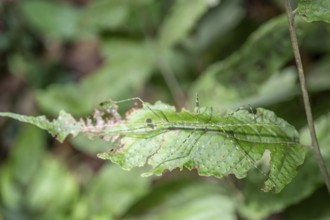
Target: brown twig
column 305, row 95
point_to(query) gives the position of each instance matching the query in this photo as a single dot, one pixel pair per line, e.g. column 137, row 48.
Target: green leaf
column 314, row 10
column 107, row 196
column 322, row 126
column 104, row 14
column 58, row 21
column 319, row 201
column 236, row 81
column 20, row 159
column 181, row 20
column 286, row 80
column 60, row 128
column 31, row 181
column 53, row 179
column 186, row 200
column 214, row 144
column 318, row 77
column 215, row 25
column 128, row 65
column 114, row 15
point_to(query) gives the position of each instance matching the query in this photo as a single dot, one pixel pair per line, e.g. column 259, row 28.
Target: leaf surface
column 112, row 191
column 314, row 10
column 236, row 80
column 60, row 128
column 186, row 200
column 214, row 144
column 31, row 185
column 119, row 77
column 59, row 21
column 180, row 21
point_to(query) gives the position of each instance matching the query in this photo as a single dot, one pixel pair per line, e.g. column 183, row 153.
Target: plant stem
column 303, row 85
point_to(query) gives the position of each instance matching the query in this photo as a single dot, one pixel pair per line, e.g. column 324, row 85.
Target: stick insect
column 204, row 140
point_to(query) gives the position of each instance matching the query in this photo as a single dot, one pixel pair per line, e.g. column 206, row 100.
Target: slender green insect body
column 205, row 127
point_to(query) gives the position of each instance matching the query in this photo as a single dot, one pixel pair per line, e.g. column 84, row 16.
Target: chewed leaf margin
column 212, row 143
column 182, row 134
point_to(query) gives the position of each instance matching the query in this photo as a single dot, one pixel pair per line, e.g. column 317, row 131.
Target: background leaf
column 181, row 20
column 123, row 191
column 187, row 199
column 58, row 21
column 30, row 194
column 234, row 81
column 258, row 205
column 103, row 14
column 216, row 25
column 129, row 66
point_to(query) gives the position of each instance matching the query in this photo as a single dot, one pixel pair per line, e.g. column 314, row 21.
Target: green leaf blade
column 181, row 20
column 316, row 10
column 60, row 128
column 104, row 82
column 216, row 145
column 212, row 143
column 240, row 78
column 60, row 21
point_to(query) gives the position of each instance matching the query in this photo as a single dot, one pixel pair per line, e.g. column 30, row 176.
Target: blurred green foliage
column 73, row 54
